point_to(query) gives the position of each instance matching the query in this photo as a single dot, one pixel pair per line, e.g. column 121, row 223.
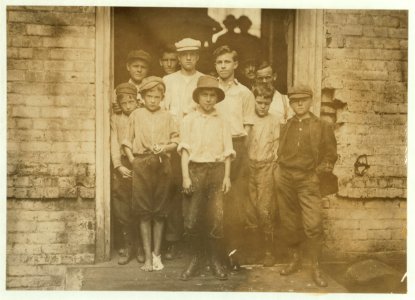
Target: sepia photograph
column 200, row 148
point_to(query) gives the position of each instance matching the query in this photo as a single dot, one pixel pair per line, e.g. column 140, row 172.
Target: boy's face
column 128, row 103
column 138, row 70
column 301, row 106
column 169, row 62
column 262, row 105
column 265, row 76
column 152, row 99
column 188, row 59
column 225, row 65
column 207, row 99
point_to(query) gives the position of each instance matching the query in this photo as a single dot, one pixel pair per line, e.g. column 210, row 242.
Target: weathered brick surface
column 51, row 143
column 365, row 80
column 369, row 75
column 51, row 101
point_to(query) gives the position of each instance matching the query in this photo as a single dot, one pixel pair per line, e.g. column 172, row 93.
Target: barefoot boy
column 152, row 135
column 206, row 150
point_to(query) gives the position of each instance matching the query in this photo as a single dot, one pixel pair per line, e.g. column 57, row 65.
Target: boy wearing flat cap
column 306, row 156
column 206, row 150
column 178, row 101
column 138, row 64
column 181, row 84
column 152, row 136
column 121, row 192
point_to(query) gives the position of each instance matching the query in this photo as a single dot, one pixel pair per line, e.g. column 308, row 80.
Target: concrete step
column 110, row 276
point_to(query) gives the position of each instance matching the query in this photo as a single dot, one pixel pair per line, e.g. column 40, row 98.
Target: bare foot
column 148, row 266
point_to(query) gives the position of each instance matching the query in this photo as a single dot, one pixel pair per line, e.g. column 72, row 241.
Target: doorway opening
column 150, row 29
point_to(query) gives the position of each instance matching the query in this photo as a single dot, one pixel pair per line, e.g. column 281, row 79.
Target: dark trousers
column 122, row 196
column 260, row 207
column 174, row 221
column 236, row 198
column 204, row 208
column 151, row 186
column 299, row 204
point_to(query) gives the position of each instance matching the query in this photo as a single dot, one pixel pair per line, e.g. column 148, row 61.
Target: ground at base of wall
column 251, row 278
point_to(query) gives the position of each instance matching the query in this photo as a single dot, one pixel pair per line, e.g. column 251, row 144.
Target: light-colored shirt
column 280, row 106
column 119, row 131
column 179, row 90
column 146, row 129
column 238, row 107
column 264, row 138
column 206, row 137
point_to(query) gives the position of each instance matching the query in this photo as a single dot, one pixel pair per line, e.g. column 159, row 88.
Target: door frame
column 306, row 68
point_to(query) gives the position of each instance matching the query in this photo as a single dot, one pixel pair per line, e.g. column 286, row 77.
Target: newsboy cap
column 150, row 82
column 299, row 91
column 187, row 44
column 126, row 88
column 208, row 82
column 139, row 54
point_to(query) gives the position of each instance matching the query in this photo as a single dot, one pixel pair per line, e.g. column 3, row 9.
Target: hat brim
column 220, row 93
column 190, row 48
column 299, row 96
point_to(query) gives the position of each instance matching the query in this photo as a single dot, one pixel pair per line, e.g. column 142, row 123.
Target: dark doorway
column 151, row 28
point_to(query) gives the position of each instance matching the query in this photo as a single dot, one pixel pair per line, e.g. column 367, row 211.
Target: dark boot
column 269, row 259
column 196, row 260
column 295, row 263
column 316, row 273
column 215, row 261
column 128, row 244
column 172, row 251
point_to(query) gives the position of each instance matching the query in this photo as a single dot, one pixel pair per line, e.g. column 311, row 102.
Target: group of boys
column 179, row 143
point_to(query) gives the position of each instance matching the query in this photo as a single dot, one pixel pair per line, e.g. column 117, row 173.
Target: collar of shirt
column 227, row 85
column 297, row 119
column 214, row 113
column 132, row 82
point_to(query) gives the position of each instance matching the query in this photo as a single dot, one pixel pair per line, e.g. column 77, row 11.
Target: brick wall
column 365, row 93
column 51, row 143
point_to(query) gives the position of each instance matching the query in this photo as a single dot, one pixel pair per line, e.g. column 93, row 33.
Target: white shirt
column 278, row 108
column 238, row 107
column 179, row 90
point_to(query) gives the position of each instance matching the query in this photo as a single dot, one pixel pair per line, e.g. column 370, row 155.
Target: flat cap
column 126, row 88
column 188, row 44
column 139, row 54
column 299, row 91
column 150, row 82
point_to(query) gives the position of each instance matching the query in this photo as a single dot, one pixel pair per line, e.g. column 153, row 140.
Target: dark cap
column 150, row 82
column 299, row 91
column 208, row 82
column 126, row 88
column 139, row 54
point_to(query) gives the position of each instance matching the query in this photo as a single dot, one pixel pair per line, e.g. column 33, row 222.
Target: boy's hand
column 187, row 186
column 116, row 108
column 226, row 185
column 125, row 173
column 157, row 149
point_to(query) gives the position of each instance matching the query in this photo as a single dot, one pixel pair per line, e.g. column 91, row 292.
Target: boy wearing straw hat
column 206, row 151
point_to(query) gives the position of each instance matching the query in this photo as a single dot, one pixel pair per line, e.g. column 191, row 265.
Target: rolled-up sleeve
column 128, row 141
column 115, row 146
column 184, row 135
column 227, row 142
